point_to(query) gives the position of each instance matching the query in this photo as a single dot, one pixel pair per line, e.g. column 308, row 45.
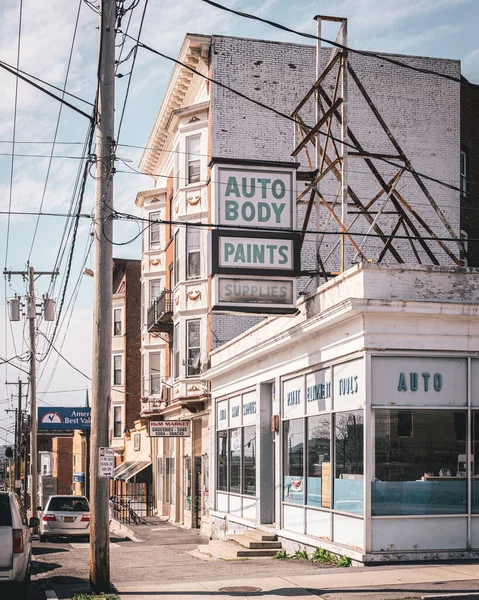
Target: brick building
column 199, row 121
column 62, row 463
column 126, row 358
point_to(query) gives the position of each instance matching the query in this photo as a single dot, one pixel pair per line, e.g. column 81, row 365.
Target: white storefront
column 353, row 425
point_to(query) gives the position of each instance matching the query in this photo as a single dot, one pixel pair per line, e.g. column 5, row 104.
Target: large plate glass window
column 249, row 460
column 193, row 350
column 222, row 450
column 293, row 461
column 193, row 149
column 319, row 465
column 235, row 460
column 193, row 242
column 349, row 476
column 155, row 230
column 420, row 462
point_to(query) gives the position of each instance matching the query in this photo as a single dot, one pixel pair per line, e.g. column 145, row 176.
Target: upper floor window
column 117, row 322
column 193, row 350
column 176, row 351
column 155, row 230
column 155, row 377
column 193, row 241
column 193, row 145
column 117, row 421
column 463, row 176
column 117, row 369
column 176, row 177
column 155, row 289
column 176, row 250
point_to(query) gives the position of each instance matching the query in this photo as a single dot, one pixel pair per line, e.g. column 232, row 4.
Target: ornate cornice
column 194, row 53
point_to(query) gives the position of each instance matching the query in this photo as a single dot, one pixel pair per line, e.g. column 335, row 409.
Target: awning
column 128, row 470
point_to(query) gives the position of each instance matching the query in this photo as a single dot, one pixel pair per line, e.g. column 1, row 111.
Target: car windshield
column 68, row 503
column 5, row 512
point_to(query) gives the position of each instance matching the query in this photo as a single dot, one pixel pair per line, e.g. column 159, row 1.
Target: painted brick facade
column 422, row 112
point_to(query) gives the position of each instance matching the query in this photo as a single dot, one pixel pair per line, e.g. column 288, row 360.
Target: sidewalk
column 164, row 564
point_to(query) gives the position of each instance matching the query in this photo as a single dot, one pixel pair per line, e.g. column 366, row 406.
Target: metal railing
column 160, row 313
column 131, row 509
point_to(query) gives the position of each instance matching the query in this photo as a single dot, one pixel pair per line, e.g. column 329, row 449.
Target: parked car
column 65, row 516
column 15, row 544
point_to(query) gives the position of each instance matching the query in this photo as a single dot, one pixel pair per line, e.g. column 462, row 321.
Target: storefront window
column 349, row 477
column 235, row 461
column 420, row 462
column 249, row 460
column 475, row 464
column 319, row 466
column 293, row 464
column 222, row 461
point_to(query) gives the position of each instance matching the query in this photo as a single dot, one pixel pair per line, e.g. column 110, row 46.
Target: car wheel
column 42, row 538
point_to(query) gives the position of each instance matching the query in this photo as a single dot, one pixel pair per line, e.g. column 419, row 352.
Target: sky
column 58, row 44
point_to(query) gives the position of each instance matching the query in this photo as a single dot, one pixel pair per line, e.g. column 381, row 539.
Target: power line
column 311, row 36
column 75, row 29
column 10, row 194
column 366, row 154
column 65, row 359
column 135, row 53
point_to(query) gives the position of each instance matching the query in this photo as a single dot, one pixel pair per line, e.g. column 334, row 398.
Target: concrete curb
column 452, row 595
column 121, row 530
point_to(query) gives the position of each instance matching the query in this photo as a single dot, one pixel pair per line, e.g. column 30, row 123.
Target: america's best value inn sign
column 254, row 207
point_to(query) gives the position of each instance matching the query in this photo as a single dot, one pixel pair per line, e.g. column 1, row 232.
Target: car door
column 6, row 543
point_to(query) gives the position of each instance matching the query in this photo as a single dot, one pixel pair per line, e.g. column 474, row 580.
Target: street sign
column 169, row 429
column 63, row 417
column 106, row 464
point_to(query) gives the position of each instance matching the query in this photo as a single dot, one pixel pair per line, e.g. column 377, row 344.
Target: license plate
column 68, row 519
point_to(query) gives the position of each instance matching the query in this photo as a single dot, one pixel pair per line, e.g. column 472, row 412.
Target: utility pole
column 102, row 309
column 18, row 434
column 32, row 317
column 31, row 314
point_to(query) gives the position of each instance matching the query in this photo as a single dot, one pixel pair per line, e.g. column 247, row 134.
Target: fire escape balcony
column 160, row 313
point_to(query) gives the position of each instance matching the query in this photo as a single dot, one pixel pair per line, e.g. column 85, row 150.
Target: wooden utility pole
column 102, row 309
column 32, row 317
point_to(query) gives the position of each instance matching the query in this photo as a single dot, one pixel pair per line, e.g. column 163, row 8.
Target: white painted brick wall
column 422, row 111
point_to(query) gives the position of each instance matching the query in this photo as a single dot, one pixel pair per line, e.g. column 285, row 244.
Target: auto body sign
column 255, row 214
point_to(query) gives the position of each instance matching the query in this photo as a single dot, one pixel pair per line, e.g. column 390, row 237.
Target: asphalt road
column 164, row 556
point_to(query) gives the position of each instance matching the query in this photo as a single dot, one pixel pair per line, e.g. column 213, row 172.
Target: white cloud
column 470, row 66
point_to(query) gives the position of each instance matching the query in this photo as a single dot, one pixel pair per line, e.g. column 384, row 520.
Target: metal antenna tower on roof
column 337, row 199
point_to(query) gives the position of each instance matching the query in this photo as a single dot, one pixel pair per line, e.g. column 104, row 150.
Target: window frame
column 193, row 162
column 176, row 258
column 463, row 173
column 176, row 351
column 154, row 228
column 117, row 408
column 191, row 251
column 157, row 373
column 189, row 367
column 116, row 370
column 115, row 322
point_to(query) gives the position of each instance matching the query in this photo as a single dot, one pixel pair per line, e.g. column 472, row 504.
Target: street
column 165, row 565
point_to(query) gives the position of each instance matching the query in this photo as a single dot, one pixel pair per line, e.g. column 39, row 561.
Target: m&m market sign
column 254, row 208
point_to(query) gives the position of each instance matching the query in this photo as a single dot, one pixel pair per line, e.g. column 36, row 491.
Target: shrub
column 322, row 556
column 281, row 555
column 301, row 555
